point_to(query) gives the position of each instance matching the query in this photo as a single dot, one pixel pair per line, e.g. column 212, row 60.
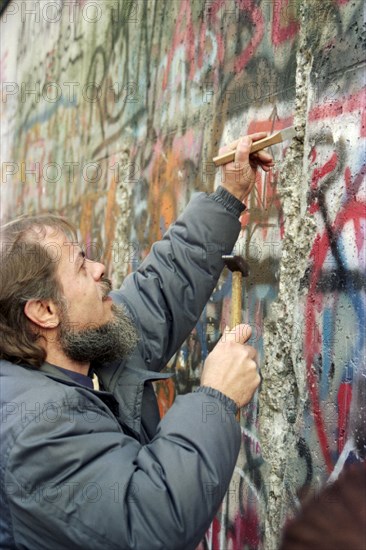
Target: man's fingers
column 243, row 149
column 239, row 334
column 230, row 147
column 262, row 159
column 258, row 135
column 262, row 156
column 234, row 144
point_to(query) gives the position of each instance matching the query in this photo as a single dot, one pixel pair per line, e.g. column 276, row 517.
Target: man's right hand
column 231, row 367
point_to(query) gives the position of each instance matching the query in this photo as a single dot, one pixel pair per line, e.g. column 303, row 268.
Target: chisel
column 278, row 137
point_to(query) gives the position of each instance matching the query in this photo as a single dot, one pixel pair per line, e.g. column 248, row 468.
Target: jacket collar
column 124, row 387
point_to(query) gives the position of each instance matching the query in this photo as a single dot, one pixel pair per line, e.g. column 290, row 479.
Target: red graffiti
column 195, row 41
column 243, row 532
column 320, row 173
column 280, row 32
column 344, row 399
column 183, row 34
column 256, row 17
column 218, row 9
column 355, row 102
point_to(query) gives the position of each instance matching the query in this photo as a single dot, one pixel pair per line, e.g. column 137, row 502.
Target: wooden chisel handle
column 278, row 137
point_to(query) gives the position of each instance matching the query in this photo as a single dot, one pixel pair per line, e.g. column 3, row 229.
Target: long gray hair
column 28, row 270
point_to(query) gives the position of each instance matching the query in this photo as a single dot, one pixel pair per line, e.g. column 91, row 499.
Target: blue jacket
column 85, row 469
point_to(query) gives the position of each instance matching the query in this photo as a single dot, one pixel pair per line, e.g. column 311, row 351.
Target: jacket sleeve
column 81, row 483
column 167, row 293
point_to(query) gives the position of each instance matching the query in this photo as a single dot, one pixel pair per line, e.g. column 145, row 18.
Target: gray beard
column 105, row 343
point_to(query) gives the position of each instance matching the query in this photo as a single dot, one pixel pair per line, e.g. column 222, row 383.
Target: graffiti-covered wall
column 111, row 113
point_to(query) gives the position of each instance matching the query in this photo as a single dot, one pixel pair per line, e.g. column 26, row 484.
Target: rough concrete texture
column 111, row 113
column 283, row 393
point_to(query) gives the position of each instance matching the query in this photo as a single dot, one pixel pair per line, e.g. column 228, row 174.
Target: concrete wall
column 111, row 113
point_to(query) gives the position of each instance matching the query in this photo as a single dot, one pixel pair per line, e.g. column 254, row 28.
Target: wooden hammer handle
column 236, row 298
column 236, row 294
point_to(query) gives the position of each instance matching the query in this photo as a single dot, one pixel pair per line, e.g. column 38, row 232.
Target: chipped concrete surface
column 283, row 386
column 123, row 200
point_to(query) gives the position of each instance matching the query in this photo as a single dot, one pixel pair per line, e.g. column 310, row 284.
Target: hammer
column 239, row 268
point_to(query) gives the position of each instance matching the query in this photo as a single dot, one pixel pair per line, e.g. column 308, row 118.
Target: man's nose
column 97, row 270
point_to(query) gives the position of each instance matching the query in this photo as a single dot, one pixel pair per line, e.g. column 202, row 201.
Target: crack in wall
column 283, row 392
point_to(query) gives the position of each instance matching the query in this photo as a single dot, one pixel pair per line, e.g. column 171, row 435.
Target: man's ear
column 42, row 313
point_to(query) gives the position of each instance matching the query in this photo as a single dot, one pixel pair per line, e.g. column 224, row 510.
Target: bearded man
column 90, row 465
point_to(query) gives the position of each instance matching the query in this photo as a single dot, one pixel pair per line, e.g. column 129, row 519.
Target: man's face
column 84, row 287
column 91, row 326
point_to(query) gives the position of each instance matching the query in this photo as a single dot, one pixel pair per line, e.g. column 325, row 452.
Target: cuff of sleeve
column 231, row 203
column 230, row 405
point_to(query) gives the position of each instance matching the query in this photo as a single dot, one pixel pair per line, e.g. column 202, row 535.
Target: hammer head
column 236, row 263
